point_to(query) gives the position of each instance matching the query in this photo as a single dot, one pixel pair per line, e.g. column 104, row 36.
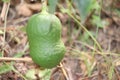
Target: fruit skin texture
column 44, row 36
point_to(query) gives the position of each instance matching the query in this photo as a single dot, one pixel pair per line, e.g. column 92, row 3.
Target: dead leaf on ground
column 26, row 9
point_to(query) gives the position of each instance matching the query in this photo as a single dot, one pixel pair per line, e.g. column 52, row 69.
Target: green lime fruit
column 44, row 36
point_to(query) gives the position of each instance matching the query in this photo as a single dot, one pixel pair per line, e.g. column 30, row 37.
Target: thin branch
column 117, row 74
column 64, row 71
column 16, row 59
column 4, row 16
column 4, row 10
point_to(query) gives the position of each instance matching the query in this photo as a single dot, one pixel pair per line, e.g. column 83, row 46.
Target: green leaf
column 85, row 37
column 52, row 5
column 111, row 72
column 31, row 74
column 99, row 22
column 23, row 28
column 45, row 74
column 85, row 7
column 17, row 55
column 5, row 68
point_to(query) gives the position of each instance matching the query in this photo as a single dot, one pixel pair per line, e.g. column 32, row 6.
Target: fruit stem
column 44, row 5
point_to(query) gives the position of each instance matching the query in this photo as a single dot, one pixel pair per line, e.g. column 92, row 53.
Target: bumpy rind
column 44, row 35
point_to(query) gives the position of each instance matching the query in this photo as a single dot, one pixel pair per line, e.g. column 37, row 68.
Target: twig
column 4, row 16
column 90, row 47
column 117, row 74
column 15, row 59
column 83, row 27
column 79, row 30
column 69, row 71
column 64, row 72
column 85, row 30
column 4, row 10
column 89, row 16
column 88, row 78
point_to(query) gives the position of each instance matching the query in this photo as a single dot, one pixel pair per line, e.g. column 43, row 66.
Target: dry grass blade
column 64, row 71
column 15, row 59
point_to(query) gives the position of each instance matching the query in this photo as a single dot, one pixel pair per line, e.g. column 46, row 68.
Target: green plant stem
column 76, row 20
column 86, row 31
column 19, row 73
column 44, row 5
